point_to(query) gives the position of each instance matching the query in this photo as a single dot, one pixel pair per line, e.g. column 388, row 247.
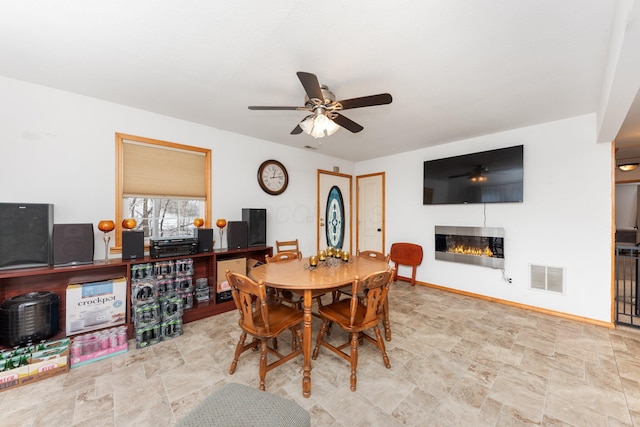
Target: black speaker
column 26, row 234
column 72, row 244
column 205, row 239
column 237, row 234
column 132, row 244
column 257, row 222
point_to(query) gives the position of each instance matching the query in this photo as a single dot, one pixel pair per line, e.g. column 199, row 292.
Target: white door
column 334, row 210
column 370, row 212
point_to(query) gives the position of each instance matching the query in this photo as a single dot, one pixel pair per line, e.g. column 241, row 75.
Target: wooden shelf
column 21, row 281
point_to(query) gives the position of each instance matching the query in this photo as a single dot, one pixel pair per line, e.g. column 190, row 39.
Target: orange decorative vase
column 129, row 223
column 106, row 225
column 221, row 223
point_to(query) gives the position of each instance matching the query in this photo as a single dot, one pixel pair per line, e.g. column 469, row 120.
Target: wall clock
column 273, row 177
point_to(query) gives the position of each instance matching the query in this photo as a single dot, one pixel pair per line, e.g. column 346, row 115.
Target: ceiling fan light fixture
column 325, row 118
column 628, row 167
column 318, row 125
column 477, row 178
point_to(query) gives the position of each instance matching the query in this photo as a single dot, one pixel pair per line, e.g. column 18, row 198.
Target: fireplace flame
column 468, row 250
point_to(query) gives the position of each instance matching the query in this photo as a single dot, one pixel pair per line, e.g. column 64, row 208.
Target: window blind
column 160, row 171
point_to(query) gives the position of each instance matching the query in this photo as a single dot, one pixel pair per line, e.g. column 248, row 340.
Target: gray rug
column 240, row 405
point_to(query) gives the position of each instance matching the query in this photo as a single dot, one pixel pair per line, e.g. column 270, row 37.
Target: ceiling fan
column 325, row 118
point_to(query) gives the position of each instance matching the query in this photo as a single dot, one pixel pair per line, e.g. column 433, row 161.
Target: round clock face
column 273, row 177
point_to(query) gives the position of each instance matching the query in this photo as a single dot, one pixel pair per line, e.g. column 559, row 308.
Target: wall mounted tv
column 494, row 176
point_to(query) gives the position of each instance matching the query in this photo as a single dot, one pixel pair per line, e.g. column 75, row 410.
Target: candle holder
column 221, row 223
column 128, row 223
column 106, row 226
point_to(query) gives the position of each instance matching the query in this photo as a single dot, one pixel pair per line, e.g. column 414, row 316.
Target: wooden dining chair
column 373, row 254
column 294, row 299
column 283, row 256
column 285, row 295
column 263, row 318
column 287, row 246
column 346, row 290
column 357, row 315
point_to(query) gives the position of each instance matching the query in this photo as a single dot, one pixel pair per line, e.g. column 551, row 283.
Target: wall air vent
column 545, row 278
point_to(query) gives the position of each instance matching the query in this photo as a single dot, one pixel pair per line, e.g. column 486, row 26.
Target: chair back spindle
column 287, row 246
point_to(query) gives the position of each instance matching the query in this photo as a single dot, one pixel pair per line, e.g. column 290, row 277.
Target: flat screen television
column 494, row 176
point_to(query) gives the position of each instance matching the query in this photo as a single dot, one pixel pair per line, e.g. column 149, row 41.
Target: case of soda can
column 94, row 342
column 171, row 328
column 143, row 291
column 184, row 267
column 165, row 286
column 141, row 271
column 202, row 290
column 183, row 283
column 187, row 298
column 164, row 269
column 146, row 314
column 147, row 336
column 160, row 292
column 171, row 306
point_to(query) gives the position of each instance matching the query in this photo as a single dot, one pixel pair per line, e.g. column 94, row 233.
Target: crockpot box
column 95, row 305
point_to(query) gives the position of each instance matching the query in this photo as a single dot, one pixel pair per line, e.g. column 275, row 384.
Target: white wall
column 564, row 221
column 57, row 147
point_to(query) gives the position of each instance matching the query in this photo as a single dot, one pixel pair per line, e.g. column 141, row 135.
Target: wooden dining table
column 297, row 275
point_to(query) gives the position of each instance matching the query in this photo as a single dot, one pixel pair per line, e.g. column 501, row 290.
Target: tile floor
column 455, row 361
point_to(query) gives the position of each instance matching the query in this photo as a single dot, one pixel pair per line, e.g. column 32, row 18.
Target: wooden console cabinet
column 56, row 279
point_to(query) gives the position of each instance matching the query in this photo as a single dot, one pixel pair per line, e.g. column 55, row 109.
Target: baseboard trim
column 560, row 314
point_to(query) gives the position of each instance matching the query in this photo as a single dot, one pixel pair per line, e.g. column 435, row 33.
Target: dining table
column 297, row 275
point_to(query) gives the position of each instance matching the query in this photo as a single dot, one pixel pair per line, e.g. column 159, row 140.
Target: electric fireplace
column 471, row 245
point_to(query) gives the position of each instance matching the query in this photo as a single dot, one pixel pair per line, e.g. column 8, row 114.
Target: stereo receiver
column 172, row 246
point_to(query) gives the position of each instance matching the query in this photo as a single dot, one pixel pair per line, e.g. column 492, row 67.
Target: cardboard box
column 13, row 378
column 52, row 361
column 48, row 360
column 96, row 305
column 251, row 263
column 236, row 265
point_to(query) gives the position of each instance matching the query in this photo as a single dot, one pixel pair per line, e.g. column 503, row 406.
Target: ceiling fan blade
column 296, row 130
column 366, row 101
column 311, row 86
column 460, row 175
column 253, row 107
column 346, row 123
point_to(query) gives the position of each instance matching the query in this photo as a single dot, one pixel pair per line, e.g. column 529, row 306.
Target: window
column 164, row 186
column 163, row 217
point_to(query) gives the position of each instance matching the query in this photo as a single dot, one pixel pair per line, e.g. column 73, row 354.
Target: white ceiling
column 455, row 69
